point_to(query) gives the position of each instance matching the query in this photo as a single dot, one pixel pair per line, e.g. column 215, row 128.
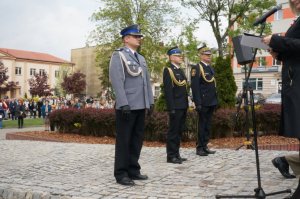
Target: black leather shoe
column 208, row 151
column 182, row 159
column 126, row 181
column 139, row 177
column 174, row 160
column 201, row 152
column 282, row 165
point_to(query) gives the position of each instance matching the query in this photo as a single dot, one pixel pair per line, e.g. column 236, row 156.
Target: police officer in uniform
column 203, row 86
column 175, row 90
column 131, row 83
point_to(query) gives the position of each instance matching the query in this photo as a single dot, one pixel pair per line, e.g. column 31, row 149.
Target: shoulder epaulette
column 119, row 49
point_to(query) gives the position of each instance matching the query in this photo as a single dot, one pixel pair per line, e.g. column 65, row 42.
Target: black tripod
column 259, row 192
column 244, row 99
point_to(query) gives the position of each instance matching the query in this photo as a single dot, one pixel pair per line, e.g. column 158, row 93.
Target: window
column 255, row 83
column 262, row 61
column 42, row 71
column 32, row 71
column 278, row 15
column 276, row 62
column 57, row 73
column 18, row 71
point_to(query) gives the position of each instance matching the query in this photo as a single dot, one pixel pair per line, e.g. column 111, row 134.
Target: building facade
column 265, row 77
column 23, row 65
column 85, row 62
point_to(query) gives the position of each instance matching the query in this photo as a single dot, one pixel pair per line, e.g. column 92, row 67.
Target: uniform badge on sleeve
column 193, row 72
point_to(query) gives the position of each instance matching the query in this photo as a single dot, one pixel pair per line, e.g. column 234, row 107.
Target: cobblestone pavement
column 49, row 170
column 12, row 130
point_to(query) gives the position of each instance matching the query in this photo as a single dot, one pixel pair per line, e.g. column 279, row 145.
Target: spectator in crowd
column 20, row 113
column 12, row 109
column 39, row 107
column 46, row 110
column 1, row 117
column 32, row 108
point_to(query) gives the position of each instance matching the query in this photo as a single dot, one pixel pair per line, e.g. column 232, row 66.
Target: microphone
column 263, row 18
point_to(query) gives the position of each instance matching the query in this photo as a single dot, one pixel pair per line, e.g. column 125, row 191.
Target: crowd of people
column 18, row 109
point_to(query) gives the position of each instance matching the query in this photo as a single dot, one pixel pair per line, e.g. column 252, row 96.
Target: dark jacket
column 19, row 110
column 288, row 49
column 204, row 93
column 176, row 96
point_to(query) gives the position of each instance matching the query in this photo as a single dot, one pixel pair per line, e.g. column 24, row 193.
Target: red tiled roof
column 28, row 55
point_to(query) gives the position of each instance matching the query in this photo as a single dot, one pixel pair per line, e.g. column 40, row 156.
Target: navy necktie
column 136, row 56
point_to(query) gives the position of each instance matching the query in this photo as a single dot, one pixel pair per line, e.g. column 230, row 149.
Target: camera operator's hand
column 198, row 108
column 125, row 112
column 150, row 110
column 172, row 113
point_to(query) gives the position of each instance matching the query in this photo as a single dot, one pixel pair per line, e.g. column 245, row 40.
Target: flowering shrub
column 101, row 122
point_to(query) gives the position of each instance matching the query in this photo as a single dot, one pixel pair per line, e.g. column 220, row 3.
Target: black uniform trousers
column 129, row 141
column 176, row 125
column 204, row 126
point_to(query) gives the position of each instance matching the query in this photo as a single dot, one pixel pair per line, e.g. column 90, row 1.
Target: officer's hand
column 151, row 109
column 125, row 112
column 172, row 113
column 198, row 108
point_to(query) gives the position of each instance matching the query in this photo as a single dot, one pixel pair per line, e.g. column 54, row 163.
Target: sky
column 55, row 26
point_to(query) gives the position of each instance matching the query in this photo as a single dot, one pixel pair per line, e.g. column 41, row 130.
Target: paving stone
column 49, row 170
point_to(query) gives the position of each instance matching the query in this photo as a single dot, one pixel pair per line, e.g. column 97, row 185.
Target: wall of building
column 26, row 65
column 85, row 62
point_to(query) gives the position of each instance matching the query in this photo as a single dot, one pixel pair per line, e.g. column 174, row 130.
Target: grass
column 28, row 122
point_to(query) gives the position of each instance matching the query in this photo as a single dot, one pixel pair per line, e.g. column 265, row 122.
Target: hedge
column 101, row 122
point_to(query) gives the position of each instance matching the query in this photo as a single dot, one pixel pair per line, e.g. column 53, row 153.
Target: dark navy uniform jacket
column 176, row 96
column 204, row 93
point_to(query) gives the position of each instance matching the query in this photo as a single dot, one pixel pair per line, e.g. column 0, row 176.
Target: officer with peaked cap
column 131, row 83
column 203, row 86
column 175, row 90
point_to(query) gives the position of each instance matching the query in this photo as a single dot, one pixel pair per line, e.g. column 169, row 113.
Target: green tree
column 226, row 87
column 155, row 19
column 188, row 42
column 223, row 15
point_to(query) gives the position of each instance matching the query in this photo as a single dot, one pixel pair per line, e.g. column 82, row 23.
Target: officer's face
column 176, row 59
column 133, row 41
column 205, row 58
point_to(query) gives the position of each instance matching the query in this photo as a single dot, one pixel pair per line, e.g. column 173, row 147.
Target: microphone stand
column 259, row 192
